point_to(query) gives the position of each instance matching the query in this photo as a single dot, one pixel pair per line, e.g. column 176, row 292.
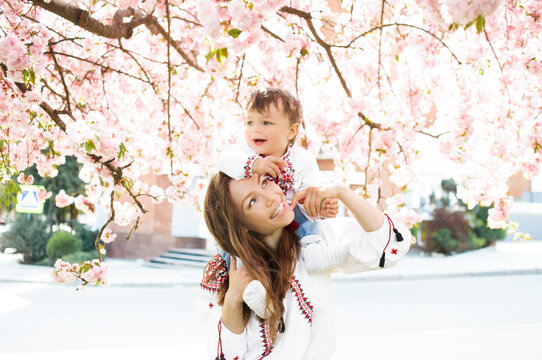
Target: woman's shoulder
column 214, row 274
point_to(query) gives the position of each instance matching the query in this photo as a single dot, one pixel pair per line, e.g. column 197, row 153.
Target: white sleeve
column 236, row 161
column 211, row 313
column 373, row 250
column 306, row 168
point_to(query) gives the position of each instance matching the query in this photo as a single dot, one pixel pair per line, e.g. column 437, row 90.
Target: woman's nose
column 269, row 200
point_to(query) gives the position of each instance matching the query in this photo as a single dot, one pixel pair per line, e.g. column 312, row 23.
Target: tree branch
column 118, row 29
column 380, row 54
column 272, row 34
column 82, row 18
column 397, row 25
column 322, row 43
column 61, row 73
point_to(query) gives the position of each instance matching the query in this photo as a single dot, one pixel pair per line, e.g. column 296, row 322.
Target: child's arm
column 236, row 161
column 309, row 173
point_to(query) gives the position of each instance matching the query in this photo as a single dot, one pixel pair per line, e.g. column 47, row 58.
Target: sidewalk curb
column 335, row 279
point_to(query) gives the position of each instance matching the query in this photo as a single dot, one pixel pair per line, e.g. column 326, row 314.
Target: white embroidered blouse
column 309, row 306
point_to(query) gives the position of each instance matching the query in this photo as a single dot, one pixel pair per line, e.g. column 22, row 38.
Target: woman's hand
column 232, row 309
column 238, row 281
column 330, row 208
column 317, row 199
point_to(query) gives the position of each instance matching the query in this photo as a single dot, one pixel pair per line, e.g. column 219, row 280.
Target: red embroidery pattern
column 211, row 305
column 304, row 304
column 216, row 282
column 394, row 251
column 248, row 165
column 286, row 178
column 264, row 334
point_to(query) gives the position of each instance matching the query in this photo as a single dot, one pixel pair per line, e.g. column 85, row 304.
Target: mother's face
column 261, row 205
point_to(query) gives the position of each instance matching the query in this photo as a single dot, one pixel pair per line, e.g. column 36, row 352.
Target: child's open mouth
column 259, row 141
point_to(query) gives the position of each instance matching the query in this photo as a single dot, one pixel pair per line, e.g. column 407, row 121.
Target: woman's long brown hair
column 273, row 268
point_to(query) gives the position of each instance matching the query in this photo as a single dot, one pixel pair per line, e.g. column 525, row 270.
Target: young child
column 272, row 124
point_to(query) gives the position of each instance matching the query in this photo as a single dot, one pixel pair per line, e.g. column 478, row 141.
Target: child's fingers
column 272, row 170
column 298, row 197
column 276, row 169
column 280, row 163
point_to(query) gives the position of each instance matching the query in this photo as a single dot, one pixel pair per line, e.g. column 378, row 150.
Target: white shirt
column 235, row 159
column 309, row 315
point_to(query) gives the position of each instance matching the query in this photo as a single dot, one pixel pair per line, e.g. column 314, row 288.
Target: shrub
column 62, row 243
column 28, row 234
column 87, row 235
column 79, row 256
column 481, row 229
column 475, row 242
column 443, row 237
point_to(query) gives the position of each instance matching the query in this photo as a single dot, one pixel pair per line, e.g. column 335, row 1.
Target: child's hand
column 330, row 208
column 314, row 199
column 271, row 165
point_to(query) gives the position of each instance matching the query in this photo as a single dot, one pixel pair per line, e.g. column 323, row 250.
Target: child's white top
column 309, row 308
column 301, row 168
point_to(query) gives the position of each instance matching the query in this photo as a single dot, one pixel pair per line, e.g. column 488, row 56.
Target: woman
column 251, row 220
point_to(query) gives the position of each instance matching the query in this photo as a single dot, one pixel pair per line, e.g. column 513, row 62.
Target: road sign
column 28, row 201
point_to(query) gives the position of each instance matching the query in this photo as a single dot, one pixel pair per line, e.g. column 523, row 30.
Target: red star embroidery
column 211, row 305
column 394, row 251
column 236, row 358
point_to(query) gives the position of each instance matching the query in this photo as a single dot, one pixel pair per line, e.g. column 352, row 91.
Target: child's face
column 268, row 133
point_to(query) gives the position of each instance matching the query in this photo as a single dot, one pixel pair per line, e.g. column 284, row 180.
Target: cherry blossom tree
column 137, row 87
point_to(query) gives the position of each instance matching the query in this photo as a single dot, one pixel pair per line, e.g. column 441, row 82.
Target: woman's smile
column 279, row 211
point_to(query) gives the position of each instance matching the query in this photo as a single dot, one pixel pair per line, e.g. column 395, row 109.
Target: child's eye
column 267, row 122
column 251, row 202
column 250, row 123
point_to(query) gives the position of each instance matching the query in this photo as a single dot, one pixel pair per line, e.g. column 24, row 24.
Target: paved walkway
column 507, row 258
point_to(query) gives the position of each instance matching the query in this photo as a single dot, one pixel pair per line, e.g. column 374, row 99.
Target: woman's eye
column 264, row 183
column 267, row 122
column 251, row 203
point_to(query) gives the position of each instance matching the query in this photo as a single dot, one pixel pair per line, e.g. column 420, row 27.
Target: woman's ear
column 293, row 131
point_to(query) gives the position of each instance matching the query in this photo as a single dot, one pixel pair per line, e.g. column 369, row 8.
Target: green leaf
column 89, row 145
column 210, row 54
column 222, row 55
column 469, row 24
column 304, row 52
column 122, row 151
column 32, row 76
column 480, row 23
column 234, row 33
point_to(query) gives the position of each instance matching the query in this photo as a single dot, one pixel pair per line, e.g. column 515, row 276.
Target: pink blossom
column 25, row 179
column 62, row 276
column 97, row 274
column 83, row 204
column 499, row 213
column 43, row 194
column 63, row 200
column 108, row 236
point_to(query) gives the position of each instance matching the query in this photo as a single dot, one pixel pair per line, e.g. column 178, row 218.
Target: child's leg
column 306, row 225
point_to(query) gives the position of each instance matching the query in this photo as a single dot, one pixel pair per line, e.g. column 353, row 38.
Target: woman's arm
column 218, row 336
column 367, row 215
column 374, row 240
column 232, row 310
